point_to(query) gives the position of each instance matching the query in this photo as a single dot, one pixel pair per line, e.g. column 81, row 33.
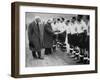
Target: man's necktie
column 38, row 28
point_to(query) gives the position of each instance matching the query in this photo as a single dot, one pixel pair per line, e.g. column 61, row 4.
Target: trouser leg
column 34, row 54
column 48, row 51
column 81, row 56
column 39, row 54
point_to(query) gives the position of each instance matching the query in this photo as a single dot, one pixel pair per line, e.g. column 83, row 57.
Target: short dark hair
column 80, row 16
column 68, row 20
column 74, row 18
column 58, row 19
column 62, row 18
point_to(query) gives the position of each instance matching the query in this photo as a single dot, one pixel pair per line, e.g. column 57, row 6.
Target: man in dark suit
column 48, row 37
column 34, row 36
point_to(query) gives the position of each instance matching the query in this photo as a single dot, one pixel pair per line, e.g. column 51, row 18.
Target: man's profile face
column 49, row 21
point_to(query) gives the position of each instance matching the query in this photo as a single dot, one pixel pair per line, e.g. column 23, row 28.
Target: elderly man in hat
column 48, row 37
column 35, row 38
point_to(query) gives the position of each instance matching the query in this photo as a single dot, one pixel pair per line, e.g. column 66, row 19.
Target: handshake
column 57, row 32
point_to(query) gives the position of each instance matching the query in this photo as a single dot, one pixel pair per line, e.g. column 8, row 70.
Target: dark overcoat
column 48, row 36
column 35, row 36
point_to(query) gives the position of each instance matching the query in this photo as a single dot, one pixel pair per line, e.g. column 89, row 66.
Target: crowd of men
column 68, row 35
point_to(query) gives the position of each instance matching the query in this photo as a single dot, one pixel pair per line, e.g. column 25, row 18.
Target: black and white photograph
column 51, row 39
column 57, row 39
